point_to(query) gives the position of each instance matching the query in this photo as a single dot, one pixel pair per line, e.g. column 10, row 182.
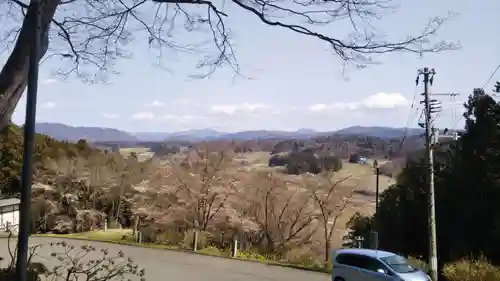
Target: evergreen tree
column 473, row 179
column 467, row 193
column 11, row 160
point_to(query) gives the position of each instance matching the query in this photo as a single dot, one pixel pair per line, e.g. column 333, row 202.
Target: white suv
column 373, row 265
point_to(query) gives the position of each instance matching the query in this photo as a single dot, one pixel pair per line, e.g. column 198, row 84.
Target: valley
column 220, row 187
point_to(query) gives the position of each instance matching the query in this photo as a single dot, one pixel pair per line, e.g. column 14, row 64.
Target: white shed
column 9, row 214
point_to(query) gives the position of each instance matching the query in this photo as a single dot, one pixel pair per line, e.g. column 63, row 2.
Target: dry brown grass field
column 143, row 153
column 362, row 176
column 128, row 150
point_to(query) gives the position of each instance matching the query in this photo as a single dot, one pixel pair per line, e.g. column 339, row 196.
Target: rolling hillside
column 98, row 134
column 69, row 133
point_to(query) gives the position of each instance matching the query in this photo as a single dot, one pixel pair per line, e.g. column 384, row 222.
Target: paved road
column 162, row 265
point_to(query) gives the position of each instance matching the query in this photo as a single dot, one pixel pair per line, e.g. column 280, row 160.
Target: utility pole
column 374, row 232
column 34, row 12
column 377, row 177
column 374, row 237
column 428, row 75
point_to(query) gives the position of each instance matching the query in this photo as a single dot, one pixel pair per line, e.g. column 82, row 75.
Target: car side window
column 348, row 259
column 342, row 259
column 371, row 264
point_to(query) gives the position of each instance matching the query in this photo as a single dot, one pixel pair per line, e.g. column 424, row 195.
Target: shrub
column 420, row 263
column 471, row 270
column 354, row 158
column 358, row 225
column 73, row 264
column 169, row 237
column 303, row 162
column 278, row 160
column 8, row 274
column 35, row 269
column 331, row 163
column 149, row 233
column 214, row 251
column 189, row 238
column 301, row 256
column 113, row 224
column 251, row 256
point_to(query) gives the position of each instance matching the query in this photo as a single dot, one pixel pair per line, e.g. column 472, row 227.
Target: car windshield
column 399, row 264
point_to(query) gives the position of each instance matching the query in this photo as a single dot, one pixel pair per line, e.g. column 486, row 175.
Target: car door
column 369, row 270
column 347, row 267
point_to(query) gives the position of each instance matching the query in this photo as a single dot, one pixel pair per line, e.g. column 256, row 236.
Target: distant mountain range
column 97, row 134
column 66, row 132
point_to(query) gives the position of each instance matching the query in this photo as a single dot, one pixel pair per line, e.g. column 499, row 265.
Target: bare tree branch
column 331, row 205
column 284, row 214
column 88, row 36
column 97, row 33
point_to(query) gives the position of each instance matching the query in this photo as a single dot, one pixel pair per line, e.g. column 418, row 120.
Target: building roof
column 365, row 252
column 9, row 202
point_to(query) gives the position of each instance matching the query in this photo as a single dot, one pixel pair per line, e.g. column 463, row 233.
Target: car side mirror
column 380, row 270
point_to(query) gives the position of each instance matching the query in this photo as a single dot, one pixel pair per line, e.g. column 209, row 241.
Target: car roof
column 365, row 252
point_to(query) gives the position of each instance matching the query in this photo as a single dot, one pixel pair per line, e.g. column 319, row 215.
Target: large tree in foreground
column 90, row 35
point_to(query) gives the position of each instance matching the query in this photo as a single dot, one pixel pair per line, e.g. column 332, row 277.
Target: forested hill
column 98, row 134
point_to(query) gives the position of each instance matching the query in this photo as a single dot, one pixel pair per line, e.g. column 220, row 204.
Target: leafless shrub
column 75, row 264
column 12, row 251
column 283, row 212
column 200, row 190
column 81, row 264
column 330, row 201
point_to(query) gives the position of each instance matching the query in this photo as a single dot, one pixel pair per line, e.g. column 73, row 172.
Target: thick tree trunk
column 14, row 74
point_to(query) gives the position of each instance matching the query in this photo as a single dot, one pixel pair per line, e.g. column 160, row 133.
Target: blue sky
column 296, row 81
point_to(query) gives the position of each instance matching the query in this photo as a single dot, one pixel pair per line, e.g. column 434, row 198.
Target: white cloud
column 146, row 115
column 376, row 101
column 111, row 115
column 252, row 108
column 385, row 101
column 48, row 105
column 155, row 103
column 318, row 107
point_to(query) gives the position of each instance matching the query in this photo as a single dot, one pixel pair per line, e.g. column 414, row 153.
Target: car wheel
column 338, row 279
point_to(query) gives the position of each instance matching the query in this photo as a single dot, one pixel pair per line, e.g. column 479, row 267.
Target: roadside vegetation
column 72, row 263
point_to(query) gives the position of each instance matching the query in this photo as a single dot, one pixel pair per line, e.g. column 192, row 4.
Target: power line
column 411, row 107
column 410, row 117
column 491, row 76
column 484, row 86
